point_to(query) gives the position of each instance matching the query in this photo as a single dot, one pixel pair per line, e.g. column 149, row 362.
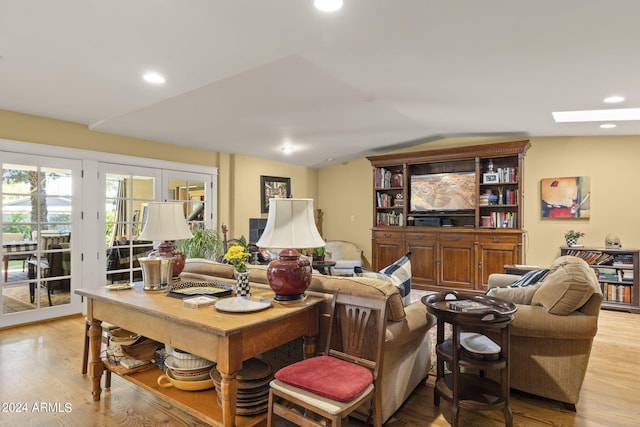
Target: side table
column 470, row 390
column 324, row 267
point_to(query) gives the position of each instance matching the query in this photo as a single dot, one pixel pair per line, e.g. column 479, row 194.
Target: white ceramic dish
column 478, row 343
column 119, row 286
column 186, row 365
column 243, row 304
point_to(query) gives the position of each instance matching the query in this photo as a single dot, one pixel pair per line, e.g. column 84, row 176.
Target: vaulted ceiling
column 248, row 76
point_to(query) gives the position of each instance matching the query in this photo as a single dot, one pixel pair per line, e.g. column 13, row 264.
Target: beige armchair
column 346, row 256
column 553, row 329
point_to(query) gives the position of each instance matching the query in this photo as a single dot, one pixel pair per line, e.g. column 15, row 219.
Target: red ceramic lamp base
column 168, row 249
column 289, row 276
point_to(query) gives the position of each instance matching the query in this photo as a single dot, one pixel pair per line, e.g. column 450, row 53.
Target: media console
column 462, row 219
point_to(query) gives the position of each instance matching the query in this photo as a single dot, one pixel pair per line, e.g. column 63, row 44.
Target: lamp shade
column 165, row 221
column 290, row 224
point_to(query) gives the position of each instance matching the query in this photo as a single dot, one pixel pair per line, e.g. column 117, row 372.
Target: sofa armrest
column 535, row 321
column 413, row 327
column 501, row 279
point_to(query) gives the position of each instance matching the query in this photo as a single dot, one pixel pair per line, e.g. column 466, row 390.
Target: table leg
column 228, row 396
column 96, row 367
column 6, row 268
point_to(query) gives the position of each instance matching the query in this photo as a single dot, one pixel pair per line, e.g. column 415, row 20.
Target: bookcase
column 617, row 272
column 459, row 211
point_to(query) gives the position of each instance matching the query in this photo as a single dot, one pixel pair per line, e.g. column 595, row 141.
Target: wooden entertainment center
column 459, row 211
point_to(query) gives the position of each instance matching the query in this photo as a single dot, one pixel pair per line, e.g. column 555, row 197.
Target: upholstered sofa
column 553, row 328
column 406, row 355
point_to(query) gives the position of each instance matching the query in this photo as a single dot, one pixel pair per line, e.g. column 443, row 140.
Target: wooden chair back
column 357, row 330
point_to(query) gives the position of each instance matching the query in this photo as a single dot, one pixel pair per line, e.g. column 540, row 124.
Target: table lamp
column 290, row 225
column 165, row 222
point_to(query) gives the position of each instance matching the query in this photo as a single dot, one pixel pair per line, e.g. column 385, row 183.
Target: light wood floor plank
column 40, row 364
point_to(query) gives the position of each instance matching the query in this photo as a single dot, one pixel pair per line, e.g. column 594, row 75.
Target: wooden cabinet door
column 387, row 247
column 423, row 247
column 456, row 258
column 494, row 251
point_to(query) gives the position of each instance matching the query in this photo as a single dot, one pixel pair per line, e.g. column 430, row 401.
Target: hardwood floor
column 41, row 376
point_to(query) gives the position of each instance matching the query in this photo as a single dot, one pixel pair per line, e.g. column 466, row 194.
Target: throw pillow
column 398, row 273
column 569, row 285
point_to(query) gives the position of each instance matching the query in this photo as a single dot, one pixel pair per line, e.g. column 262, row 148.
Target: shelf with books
column 617, row 273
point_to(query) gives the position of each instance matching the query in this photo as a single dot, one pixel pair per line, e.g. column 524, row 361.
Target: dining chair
column 323, row 390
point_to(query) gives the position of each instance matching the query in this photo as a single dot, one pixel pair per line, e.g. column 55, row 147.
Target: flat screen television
column 443, row 192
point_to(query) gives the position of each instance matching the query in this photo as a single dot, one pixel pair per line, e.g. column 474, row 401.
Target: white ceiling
column 248, row 76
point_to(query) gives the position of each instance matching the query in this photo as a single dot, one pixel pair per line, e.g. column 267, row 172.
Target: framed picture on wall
column 273, row 187
column 565, row 197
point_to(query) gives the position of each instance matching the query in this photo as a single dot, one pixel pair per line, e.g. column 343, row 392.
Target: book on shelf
column 467, row 305
column 616, row 293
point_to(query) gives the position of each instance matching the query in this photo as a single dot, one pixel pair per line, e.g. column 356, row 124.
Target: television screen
column 454, row 191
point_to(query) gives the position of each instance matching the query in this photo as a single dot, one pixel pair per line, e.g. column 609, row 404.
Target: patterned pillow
column 530, row 278
column 398, row 273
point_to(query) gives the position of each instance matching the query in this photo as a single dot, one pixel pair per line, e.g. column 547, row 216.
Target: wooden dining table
column 227, row 338
column 21, row 249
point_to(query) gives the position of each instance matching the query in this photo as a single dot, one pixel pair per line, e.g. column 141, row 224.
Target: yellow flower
column 237, row 256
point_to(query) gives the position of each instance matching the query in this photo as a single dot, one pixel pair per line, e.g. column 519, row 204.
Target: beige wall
column 345, row 196
column 242, row 189
column 610, row 162
column 344, row 191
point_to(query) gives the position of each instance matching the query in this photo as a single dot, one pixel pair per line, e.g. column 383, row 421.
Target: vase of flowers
column 572, row 237
column 238, row 256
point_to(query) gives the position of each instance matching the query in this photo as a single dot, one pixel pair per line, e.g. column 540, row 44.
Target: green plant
column 573, row 234
column 242, row 241
column 205, row 243
column 319, row 251
column 238, row 256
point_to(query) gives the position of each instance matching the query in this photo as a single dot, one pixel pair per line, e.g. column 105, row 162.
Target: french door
column 127, row 192
column 41, row 230
column 70, row 219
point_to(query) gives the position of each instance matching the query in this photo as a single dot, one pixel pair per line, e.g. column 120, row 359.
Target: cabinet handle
column 456, row 237
column 387, row 235
column 497, row 239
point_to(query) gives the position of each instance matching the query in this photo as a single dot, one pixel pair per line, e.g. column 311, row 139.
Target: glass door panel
column 37, row 224
column 192, row 194
column 127, row 198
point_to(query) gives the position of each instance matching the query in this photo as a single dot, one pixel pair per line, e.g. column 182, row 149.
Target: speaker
column 427, row 222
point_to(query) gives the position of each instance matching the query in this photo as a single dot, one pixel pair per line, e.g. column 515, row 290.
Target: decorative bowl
column 123, row 337
column 200, row 374
column 187, row 365
column 167, row 380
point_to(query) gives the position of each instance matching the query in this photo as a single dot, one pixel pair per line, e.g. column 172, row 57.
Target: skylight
column 619, row 114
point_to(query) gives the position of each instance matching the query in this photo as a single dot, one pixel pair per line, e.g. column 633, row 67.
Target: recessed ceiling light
column 287, row 149
column 597, row 115
column 327, row 5
column 153, row 77
column 607, row 125
column 613, row 99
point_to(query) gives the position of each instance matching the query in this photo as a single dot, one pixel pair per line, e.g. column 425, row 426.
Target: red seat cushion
column 328, row 377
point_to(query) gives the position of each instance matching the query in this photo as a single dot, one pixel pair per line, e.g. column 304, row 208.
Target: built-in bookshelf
column 389, row 195
column 617, row 272
column 458, row 210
